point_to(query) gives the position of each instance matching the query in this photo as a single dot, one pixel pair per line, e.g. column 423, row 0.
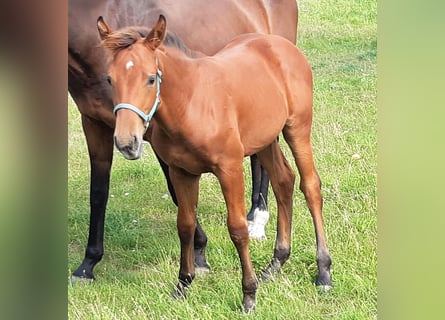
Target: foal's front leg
column 200, row 239
column 231, row 179
column 186, row 187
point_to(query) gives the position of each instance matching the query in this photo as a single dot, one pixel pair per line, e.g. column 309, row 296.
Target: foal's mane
column 126, row 37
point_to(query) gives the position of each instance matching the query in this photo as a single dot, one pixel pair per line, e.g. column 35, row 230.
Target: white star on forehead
column 129, row 64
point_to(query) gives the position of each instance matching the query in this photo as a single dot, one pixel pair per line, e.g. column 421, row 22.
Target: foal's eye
column 109, row 80
column 151, row 80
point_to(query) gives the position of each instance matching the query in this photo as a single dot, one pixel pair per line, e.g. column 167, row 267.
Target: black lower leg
column 171, row 190
column 256, row 186
column 324, row 270
column 280, row 257
column 183, row 285
column 99, row 188
column 200, row 243
column 264, row 189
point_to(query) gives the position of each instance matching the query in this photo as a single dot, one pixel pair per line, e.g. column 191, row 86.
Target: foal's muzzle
column 131, row 149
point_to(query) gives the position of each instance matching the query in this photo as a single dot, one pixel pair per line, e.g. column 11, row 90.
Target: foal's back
column 268, row 81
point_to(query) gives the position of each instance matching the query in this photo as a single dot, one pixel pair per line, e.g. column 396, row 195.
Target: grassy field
column 141, row 262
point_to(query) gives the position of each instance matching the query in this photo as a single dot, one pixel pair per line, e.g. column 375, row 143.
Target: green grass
column 141, row 262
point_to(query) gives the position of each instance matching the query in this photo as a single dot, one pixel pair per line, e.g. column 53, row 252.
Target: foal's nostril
column 119, row 143
column 130, row 147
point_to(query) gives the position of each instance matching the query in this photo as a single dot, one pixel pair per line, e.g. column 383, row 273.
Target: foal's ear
column 103, row 28
column 157, row 34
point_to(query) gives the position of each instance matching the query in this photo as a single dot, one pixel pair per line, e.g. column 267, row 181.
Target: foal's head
column 135, row 78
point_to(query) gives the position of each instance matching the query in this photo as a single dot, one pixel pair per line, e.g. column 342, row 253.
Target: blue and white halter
column 145, row 117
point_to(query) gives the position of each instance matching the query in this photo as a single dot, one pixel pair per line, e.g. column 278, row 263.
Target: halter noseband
column 145, row 117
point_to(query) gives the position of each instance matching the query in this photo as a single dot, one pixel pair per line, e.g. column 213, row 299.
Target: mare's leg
column 199, row 245
column 231, row 179
column 282, row 179
column 298, row 138
column 100, row 147
column 258, row 215
column 200, row 240
column 164, row 168
column 186, row 187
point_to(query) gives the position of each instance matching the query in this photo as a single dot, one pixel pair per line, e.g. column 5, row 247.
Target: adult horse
column 229, row 130
column 204, row 26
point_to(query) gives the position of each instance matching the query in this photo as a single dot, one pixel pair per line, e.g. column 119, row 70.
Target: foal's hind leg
column 282, row 179
column 298, row 138
column 231, row 178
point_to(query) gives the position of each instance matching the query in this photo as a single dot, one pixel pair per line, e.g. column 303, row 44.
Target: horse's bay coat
column 204, row 26
column 216, row 92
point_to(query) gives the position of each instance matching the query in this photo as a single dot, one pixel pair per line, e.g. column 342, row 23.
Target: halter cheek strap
column 145, row 117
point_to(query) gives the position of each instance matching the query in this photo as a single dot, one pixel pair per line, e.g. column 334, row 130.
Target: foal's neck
column 178, row 82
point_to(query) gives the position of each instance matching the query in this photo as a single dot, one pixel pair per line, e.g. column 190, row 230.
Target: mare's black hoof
column 202, row 270
column 323, row 288
column 201, row 265
column 75, row 280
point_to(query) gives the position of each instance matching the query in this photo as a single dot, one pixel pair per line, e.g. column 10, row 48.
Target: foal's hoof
column 180, row 292
column 249, row 305
column 272, row 269
column 249, row 309
column 267, row 275
column 323, row 283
